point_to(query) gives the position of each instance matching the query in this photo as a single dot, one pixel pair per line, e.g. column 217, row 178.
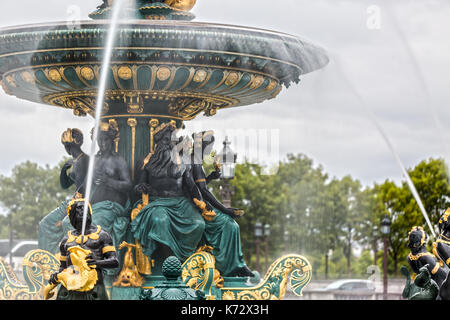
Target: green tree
column 29, row 194
column 431, row 180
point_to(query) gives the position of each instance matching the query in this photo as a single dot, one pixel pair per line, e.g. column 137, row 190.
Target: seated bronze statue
column 222, row 233
column 111, row 183
column 420, row 257
column 73, row 172
column 83, row 258
column 174, row 220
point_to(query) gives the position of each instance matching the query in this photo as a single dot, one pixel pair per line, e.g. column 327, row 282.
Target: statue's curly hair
column 72, row 136
column 421, row 232
column 75, row 203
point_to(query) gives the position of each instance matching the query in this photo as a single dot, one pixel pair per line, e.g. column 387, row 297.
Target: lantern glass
column 228, row 171
column 385, row 230
column 258, row 229
column 267, row 230
column 385, row 226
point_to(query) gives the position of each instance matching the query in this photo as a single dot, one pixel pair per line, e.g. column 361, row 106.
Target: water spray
column 422, row 80
column 116, row 9
column 389, row 144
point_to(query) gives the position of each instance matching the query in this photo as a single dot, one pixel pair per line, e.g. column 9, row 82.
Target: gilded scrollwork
column 37, row 265
column 294, row 267
column 199, row 273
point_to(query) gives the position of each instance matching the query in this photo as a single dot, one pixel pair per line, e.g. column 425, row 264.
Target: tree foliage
column 28, row 195
column 309, row 212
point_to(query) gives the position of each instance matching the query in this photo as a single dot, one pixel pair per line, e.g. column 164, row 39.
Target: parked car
column 19, row 251
column 4, row 246
column 350, row 285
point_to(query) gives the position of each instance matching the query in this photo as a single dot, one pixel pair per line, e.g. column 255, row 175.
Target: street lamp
column 385, row 230
column 258, row 235
column 227, row 161
column 267, row 235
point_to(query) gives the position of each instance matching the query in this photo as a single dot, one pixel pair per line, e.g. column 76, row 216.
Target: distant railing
column 344, row 295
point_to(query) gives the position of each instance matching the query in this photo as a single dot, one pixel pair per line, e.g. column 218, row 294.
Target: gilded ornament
column 184, row 5
column 228, row 295
column 163, row 73
column 87, row 73
column 129, row 276
column 78, row 277
column 200, row 75
column 232, row 79
column 132, row 122
column 257, row 82
column 293, row 267
column 28, row 77
column 38, row 265
column 125, row 73
column 153, row 123
column 54, row 75
column 11, row 82
column 272, row 85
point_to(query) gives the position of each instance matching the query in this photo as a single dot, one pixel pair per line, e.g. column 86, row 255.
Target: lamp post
column 227, row 163
column 11, row 239
column 258, row 235
column 267, row 235
column 286, row 241
column 327, row 257
column 375, row 245
column 385, row 230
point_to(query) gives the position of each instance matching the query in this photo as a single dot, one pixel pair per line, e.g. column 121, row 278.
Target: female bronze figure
column 223, row 232
column 111, row 184
column 73, row 172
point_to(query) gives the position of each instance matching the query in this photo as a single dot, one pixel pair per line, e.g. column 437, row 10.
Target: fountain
column 164, row 70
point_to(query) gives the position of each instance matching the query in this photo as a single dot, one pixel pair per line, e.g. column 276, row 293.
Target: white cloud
column 320, row 117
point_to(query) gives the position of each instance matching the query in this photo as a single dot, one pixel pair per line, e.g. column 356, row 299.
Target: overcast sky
column 395, row 57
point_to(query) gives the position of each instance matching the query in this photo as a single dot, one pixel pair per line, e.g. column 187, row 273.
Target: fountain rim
column 162, row 23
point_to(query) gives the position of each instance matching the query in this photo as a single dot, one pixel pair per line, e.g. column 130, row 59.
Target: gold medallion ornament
column 184, row 5
column 87, row 73
column 163, row 73
column 200, row 75
column 11, row 82
column 125, row 73
column 54, row 75
column 272, row 85
column 257, row 82
column 28, row 77
column 232, row 79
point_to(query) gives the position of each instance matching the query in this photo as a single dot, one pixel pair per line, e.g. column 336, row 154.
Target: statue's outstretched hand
column 54, row 279
column 215, row 175
column 67, row 165
column 235, row 213
column 142, row 188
